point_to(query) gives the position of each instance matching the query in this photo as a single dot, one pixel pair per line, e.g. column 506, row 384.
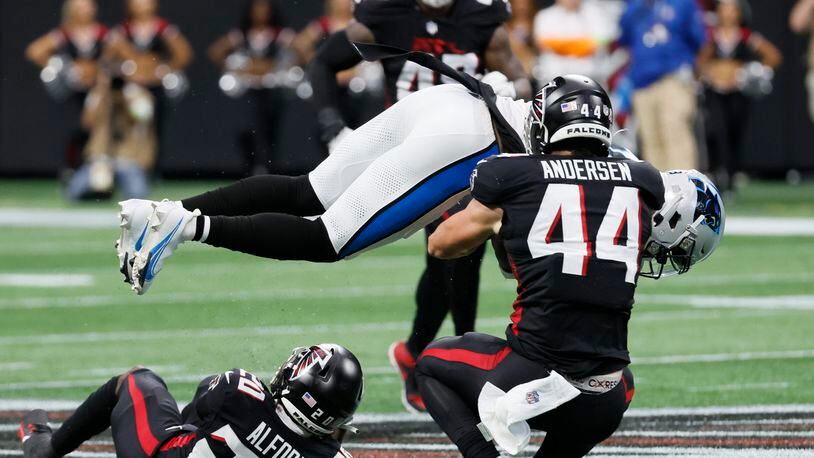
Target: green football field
column 736, row 330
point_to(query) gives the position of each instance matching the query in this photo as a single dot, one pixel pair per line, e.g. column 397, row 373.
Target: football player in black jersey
column 304, row 412
column 469, row 35
column 574, row 223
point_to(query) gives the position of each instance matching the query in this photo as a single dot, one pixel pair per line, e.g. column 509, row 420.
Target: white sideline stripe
column 16, row 366
column 46, row 280
column 737, row 387
column 722, row 357
column 615, row 451
column 791, row 302
column 635, row 412
column 769, row 226
column 115, row 336
column 94, row 219
column 801, row 302
column 646, row 433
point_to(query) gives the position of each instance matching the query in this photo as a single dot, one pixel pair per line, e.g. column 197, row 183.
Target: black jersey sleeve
column 498, row 178
column 650, row 182
column 223, row 388
column 486, row 184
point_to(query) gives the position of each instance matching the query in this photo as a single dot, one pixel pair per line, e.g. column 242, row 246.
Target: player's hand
column 330, row 124
column 500, row 84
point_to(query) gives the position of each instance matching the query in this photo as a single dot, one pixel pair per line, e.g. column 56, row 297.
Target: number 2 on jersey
column 564, row 205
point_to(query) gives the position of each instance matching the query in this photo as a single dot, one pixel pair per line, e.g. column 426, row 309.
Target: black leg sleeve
column 465, row 280
column 260, row 194
column 432, row 304
column 91, row 418
column 273, row 235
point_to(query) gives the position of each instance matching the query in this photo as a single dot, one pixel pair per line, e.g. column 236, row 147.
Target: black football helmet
column 319, row 387
column 570, row 107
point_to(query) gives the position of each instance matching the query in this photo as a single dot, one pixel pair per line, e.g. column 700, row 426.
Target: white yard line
column 106, row 218
column 16, row 366
column 30, row 280
column 738, row 387
column 723, row 357
column 646, row 433
column 7, row 452
column 617, row 452
column 801, row 302
column 387, row 326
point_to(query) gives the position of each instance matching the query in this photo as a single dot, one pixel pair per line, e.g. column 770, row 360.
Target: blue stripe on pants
column 416, row 203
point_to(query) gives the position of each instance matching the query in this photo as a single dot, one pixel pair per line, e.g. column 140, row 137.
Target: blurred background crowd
column 132, row 91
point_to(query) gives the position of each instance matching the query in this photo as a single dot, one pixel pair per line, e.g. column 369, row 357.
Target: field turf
column 737, row 330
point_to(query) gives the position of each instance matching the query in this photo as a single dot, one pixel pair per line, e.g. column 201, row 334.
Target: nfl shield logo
column 432, row 27
column 533, row 397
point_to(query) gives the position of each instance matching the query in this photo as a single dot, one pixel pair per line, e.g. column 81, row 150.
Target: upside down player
column 575, row 224
column 469, row 35
column 304, row 412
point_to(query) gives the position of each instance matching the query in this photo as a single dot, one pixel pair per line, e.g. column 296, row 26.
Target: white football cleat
column 133, row 220
column 170, row 225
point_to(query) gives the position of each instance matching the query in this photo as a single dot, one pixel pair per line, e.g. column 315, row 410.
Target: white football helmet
column 688, row 227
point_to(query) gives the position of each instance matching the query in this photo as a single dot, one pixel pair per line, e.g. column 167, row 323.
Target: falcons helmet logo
column 314, row 355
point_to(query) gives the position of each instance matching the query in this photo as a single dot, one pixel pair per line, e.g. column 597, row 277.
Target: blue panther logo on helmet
column 708, row 204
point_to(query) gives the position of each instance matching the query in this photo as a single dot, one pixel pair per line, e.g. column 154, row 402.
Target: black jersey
column 574, row 230
column 459, row 39
column 236, row 417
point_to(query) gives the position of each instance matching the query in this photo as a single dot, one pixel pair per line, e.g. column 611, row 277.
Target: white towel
column 503, row 414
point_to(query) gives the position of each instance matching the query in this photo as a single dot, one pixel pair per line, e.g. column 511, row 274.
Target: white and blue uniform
column 405, row 167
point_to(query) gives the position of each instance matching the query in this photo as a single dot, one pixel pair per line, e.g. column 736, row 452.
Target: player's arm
column 335, row 55
column 801, row 19
column 499, row 57
column 464, row 231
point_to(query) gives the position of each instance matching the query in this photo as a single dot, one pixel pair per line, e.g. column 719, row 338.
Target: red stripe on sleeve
column 584, row 231
column 458, row 355
column 146, row 439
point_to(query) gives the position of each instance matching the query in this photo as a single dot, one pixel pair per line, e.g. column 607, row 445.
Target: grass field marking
column 16, row 366
column 723, row 357
column 617, row 451
column 738, row 387
column 385, row 326
column 30, row 280
column 790, row 302
column 8, row 452
column 646, row 433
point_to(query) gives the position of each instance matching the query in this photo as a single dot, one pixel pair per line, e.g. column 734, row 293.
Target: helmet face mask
column 319, row 387
column 687, row 229
column 570, row 107
column 436, row 4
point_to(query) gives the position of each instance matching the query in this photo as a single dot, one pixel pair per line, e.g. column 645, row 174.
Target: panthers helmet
column 569, row 107
column 319, row 387
column 688, row 227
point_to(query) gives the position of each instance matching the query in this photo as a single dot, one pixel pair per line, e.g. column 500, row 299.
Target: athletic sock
column 472, row 444
column 273, row 235
column 259, row 194
column 92, row 417
column 202, row 225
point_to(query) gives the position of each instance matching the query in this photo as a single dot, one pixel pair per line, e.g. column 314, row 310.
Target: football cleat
column 170, row 225
column 404, row 362
column 133, row 220
column 35, row 435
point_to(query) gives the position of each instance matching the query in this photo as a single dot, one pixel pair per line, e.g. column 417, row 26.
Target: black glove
column 330, row 124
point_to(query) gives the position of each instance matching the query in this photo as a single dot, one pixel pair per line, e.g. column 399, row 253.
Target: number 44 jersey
column 574, row 229
column 459, row 38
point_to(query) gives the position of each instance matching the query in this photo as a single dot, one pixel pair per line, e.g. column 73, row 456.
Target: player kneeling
column 575, row 224
column 304, row 412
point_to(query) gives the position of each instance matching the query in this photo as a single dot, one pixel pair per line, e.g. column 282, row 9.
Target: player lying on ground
column 304, row 412
column 575, row 224
column 387, row 179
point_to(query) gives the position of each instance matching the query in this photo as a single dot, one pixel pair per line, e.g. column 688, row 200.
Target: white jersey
column 405, row 167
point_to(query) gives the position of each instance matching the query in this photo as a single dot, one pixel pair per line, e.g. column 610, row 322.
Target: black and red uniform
column 77, row 49
column 459, row 38
column 574, row 229
column 231, row 415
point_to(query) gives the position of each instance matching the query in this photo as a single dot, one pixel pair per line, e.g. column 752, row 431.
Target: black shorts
column 146, row 416
column 467, row 362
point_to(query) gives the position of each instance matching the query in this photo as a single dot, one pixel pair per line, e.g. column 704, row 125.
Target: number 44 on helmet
column 687, row 229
